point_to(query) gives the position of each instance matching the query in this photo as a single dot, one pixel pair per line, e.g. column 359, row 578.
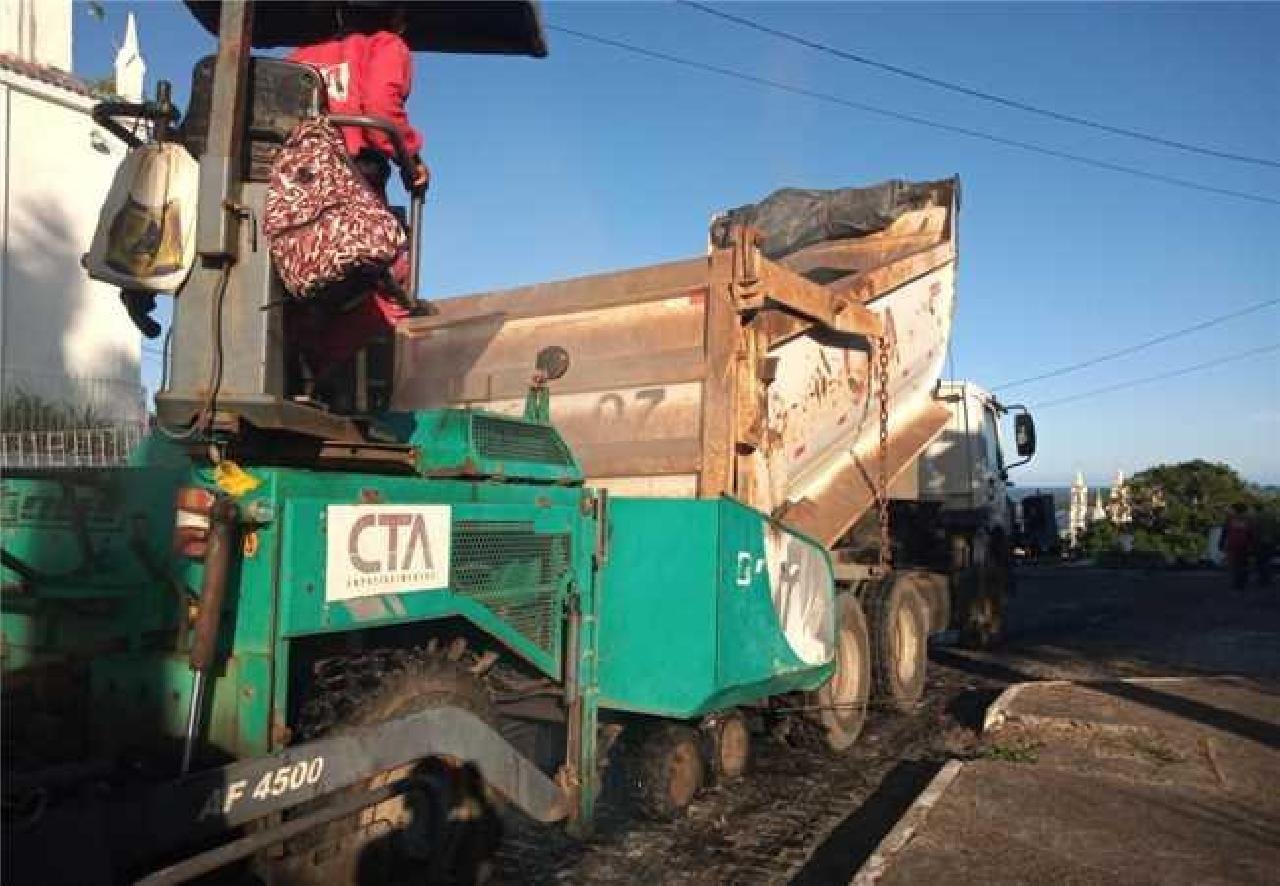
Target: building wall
column 63, row 336
column 37, row 31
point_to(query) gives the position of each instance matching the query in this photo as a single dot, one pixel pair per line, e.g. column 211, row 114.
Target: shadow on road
column 853, row 841
column 1206, row 714
column 1190, row 709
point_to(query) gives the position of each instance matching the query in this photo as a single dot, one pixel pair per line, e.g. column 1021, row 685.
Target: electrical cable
column 911, row 118
column 1185, row 370
column 978, row 93
column 1142, row 345
column 205, row 415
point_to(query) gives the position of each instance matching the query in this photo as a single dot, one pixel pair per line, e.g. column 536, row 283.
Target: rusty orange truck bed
column 722, row 374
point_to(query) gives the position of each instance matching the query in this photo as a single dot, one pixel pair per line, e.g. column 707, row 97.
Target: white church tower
column 1078, row 513
column 1098, row 511
column 1119, row 507
column 130, row 68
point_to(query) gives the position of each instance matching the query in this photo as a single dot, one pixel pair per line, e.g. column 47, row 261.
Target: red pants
column 329, row 339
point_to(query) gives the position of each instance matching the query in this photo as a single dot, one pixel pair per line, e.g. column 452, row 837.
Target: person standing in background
column 1237, row 542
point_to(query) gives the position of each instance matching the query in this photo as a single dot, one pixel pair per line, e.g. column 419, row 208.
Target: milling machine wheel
column 728, row 746
column 899, row 626
column 665, row 770
column 445, row 830
column 840, row 705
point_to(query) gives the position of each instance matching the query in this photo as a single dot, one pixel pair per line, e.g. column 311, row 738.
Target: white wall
column 56, row 323
column 37, row 31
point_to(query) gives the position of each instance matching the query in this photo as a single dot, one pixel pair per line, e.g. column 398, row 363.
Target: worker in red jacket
column 367, row 69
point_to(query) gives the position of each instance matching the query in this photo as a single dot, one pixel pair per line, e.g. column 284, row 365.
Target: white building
column 1119, row 506
column 1078, row 513
column 63, row 337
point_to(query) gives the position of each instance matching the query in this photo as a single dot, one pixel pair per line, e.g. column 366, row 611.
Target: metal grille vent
column 514, row 572
column 502, row 439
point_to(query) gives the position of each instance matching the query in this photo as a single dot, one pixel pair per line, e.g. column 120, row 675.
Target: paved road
column 804, row 817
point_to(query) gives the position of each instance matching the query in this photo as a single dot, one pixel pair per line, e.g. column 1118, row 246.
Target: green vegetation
column 1174, row 509
column 1020, row 752
column 1099, row 538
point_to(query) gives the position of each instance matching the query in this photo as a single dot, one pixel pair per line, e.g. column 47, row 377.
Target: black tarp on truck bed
column 792, row 218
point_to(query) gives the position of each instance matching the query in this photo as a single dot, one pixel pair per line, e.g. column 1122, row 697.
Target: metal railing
column 68, row 422
column 85, row 447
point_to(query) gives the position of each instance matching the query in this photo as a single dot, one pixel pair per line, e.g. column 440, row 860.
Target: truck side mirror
column 1024, row 434
column 552, row 362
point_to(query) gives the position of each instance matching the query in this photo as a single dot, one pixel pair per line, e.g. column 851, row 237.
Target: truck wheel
column 983, row 625
column 982, row 575
column 446, row 831
column 666, row 770
column 841, row 703
column 899, row 641
column 728, row 746
column 935, row 591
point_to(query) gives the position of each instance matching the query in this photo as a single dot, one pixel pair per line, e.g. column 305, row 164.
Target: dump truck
column 790, row 369
column 320, row 645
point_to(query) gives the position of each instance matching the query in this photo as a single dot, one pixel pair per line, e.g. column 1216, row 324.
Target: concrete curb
column 897, row 839
column 998, row 711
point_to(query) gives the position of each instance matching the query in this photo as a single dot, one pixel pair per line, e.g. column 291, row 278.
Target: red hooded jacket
column 366, row 74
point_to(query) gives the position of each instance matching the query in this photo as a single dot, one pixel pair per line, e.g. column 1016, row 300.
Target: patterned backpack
column 331, row 236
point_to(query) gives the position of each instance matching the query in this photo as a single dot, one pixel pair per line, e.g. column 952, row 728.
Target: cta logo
column 386, row 549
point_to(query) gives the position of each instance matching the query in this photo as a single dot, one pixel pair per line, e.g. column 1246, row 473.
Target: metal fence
column 86, row 447
column 52, row 421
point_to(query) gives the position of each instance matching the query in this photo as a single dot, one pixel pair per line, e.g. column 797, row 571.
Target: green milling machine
column 301, row 643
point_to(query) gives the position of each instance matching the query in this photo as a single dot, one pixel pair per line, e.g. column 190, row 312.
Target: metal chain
column 882, row 491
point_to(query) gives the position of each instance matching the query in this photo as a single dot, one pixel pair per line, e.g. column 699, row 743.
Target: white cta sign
column 385, row 549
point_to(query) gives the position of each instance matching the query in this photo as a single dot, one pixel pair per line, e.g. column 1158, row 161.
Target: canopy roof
column 507, row 27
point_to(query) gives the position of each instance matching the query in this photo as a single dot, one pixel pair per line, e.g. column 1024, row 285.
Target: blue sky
column 592, row 159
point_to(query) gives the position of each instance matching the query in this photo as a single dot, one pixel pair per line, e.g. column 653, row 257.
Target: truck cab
column 951, row 513
column 966, row 467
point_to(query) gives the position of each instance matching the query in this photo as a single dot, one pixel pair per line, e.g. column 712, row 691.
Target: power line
column 1208, row 364
column 1060, row 116
column 911, row 118
column 1159, row 339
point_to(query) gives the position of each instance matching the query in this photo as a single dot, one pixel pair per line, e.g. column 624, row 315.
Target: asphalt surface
column 802, row 816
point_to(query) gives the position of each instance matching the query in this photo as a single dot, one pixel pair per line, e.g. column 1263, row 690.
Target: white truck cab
column 952, row 512
column 965, row 468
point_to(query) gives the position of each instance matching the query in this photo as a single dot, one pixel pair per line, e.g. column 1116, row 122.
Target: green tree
column 1099, row 537
column 1175, row 506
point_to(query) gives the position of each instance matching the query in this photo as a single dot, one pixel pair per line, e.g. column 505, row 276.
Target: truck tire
column 728, row 746
column 665, row 770
column 983, row 626
column 841, row 703
column 446, row 832
column 981, row 582
column 899, row 626
column 935, row 591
